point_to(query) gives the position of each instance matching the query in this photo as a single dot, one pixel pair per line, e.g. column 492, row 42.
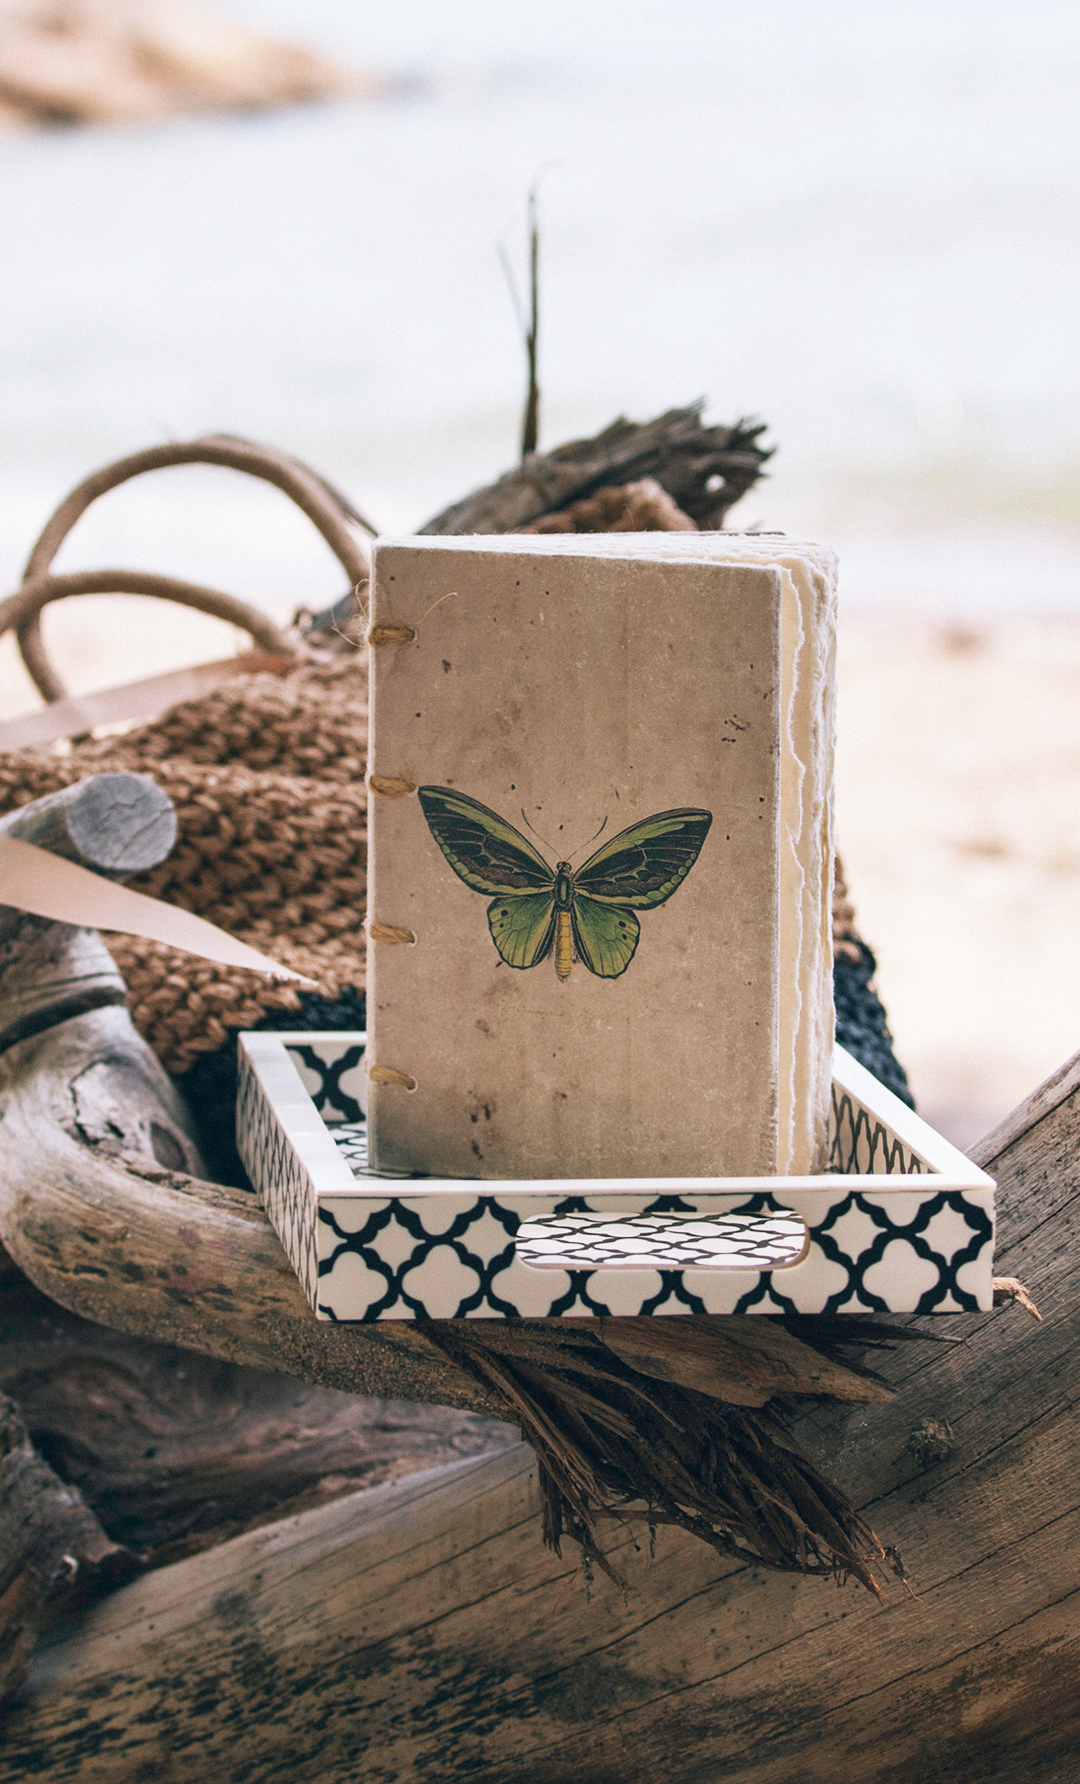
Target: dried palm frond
column 684, row 1422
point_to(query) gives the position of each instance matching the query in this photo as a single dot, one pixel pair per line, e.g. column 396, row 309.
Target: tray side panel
column 368, row 1248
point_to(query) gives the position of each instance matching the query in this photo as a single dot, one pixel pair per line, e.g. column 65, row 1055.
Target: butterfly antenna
column 592, row 838
column 548, row 846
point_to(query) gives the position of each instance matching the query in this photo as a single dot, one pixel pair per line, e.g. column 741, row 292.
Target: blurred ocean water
column 857, row 221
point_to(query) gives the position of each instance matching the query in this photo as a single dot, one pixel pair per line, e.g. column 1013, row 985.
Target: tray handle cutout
column 772, row 1240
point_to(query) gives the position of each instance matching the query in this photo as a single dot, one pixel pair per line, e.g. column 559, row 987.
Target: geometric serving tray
column 900, row 1222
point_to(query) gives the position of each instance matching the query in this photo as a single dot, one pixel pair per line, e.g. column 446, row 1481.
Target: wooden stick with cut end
column 115, row 824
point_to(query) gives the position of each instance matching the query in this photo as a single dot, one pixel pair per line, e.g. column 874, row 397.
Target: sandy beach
column 958, row 804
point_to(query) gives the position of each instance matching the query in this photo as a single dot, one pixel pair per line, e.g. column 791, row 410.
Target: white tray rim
column 267, row 1053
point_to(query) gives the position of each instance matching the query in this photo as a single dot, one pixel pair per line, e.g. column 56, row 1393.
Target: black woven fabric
column 861, row 1023
column 209, row 1087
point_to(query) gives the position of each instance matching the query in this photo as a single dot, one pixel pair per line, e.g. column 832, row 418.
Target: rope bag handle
column 329, row 511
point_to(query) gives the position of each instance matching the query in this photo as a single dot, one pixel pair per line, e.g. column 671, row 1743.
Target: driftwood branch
column 101, row 1200
column 176, row 1452
column 51, row 1546
column 419, row 1629
column 705, row 470
column 93, row 1218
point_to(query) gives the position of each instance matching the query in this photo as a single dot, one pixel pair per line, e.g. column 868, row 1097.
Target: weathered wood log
column 175, row 1451
column 705, row 469
column 418, row 1629
column 96, row 1215
column 51, row 1546
column 93, row 1218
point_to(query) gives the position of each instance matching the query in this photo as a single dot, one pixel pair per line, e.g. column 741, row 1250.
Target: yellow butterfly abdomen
column 564, row 945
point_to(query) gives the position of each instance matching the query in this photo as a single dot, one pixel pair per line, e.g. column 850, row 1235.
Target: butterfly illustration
column 537, row 910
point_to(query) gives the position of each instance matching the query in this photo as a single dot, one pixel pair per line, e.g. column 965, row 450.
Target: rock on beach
column 129, row 61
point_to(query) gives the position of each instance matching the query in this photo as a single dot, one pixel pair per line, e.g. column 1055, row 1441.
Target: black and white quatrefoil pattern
column 371, row 1248
column 275, row 1168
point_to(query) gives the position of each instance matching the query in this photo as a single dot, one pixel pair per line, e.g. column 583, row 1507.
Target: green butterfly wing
column 605, row 938
column 642, row 866
column 482, row 848
column 636, row 870
column 523, row 929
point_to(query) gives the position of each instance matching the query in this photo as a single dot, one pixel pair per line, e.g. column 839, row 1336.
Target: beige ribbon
column 136, row 700
column 44, row 885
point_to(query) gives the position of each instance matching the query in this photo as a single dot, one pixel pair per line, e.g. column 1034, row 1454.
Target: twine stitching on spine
column 390, row 633
column 387, row 787
column 385, row 1074
column 384, row 932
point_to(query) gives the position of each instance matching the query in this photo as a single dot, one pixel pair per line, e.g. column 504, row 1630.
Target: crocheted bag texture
column 267, row 776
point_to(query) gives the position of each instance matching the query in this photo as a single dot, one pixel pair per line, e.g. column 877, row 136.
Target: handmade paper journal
column 600, row 855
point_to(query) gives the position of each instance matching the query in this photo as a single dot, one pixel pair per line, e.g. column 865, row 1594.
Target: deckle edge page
column 451, row 707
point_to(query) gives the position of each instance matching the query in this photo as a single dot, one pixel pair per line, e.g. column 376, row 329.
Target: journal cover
column 597, row 830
